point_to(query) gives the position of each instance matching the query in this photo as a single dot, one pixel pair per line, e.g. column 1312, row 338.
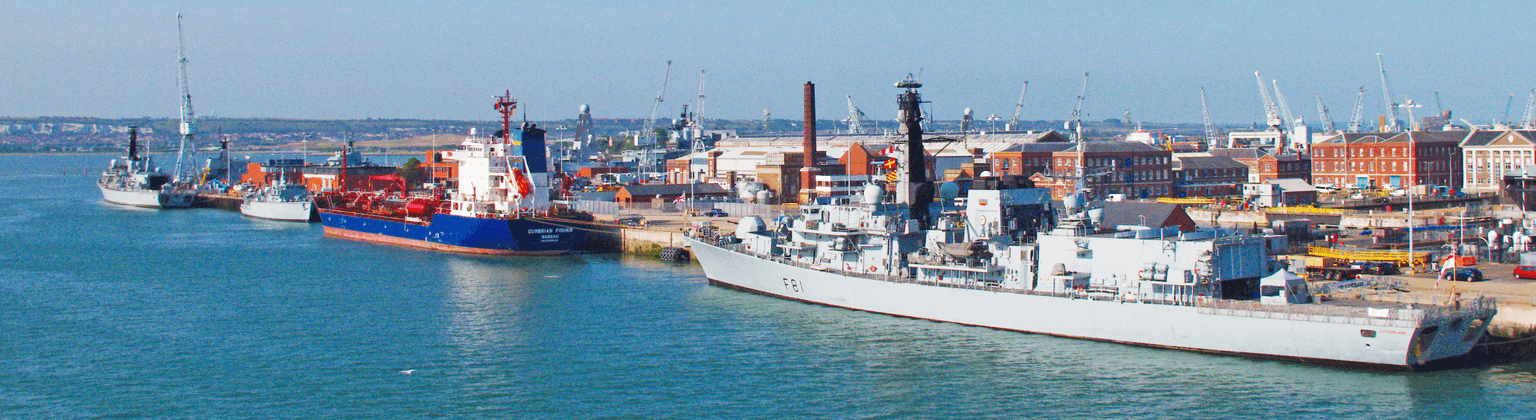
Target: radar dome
column 948, row 191
column 585, row 109
column 763, row 196
column 1071, row 203
column 873, row 194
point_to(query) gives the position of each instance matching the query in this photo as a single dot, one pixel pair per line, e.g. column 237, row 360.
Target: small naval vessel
column 282, row 201
column 1009, row 258
column 133, row 180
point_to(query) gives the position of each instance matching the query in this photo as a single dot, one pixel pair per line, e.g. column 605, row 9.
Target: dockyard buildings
column 1487, row 156
column 1136, row 170
column 1268, row 163
column 1389, row 160
column 1203, row 175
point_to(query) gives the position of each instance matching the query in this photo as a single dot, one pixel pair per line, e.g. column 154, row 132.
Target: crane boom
column 1354, row 120
column 1284, row 109
column 1507, row 105
column 855, row 119
column 1210, row 130
column 698, row 119
column 1322, row 113
column 188, row 118
column 1529, row 119
column 1386, row 94
column 1013, row 123
column 1077, row 111
column 647, row 135
column 1271, row 114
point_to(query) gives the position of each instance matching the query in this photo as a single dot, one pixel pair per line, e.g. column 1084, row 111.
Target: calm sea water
column 108, row 311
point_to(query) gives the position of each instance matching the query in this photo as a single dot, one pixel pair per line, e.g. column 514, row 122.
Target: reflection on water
column 486, row 298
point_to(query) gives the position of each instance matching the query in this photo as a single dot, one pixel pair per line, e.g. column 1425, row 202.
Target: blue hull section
column 526, row 236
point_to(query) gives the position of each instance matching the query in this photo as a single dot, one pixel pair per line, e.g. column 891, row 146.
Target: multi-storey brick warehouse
column 1389, row 160
column 1115, row 167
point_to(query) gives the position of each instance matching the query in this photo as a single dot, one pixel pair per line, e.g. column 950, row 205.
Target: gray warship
column 1007, row 258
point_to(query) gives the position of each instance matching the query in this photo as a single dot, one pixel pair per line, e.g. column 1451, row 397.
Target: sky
column 323, row 59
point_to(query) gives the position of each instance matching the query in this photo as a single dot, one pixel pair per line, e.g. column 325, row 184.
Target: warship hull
column 1208, row 327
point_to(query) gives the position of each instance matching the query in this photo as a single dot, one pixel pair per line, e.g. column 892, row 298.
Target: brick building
column 1027, row 159
column 1203, row 175
column 1267, row 164
column 1386, row 160
column 1117, row 167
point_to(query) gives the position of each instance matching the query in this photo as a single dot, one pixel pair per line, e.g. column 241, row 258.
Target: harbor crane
column 855, row 119
column 188, row 118
column 698, row 119
column 1354, row 120
column 1529, row 119
column 647, row 135
column 1077, row 112
column 1013, row 123
column 1284, row 109
column 1507, row 105
column 1210, row 130
column 1322, row 113
column 1271, row 113
column 1386, row 94
column 1438, row 107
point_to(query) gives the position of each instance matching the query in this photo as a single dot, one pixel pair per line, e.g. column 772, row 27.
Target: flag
column 888, row 151
column 891, row 176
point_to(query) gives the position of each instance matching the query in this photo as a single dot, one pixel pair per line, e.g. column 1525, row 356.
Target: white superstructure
column 133, row 180
column 280, row 201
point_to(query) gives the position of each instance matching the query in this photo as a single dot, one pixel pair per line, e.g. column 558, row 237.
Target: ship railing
column 1406, row 317
column 903, row 278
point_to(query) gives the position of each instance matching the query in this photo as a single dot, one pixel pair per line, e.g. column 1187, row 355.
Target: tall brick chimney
column 808, row 168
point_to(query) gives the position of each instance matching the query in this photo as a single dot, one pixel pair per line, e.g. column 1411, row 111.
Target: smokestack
column 918, row 186
column 808, row 167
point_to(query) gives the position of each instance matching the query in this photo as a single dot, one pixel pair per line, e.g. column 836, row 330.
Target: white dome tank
column 763, row 196
column 873, row 194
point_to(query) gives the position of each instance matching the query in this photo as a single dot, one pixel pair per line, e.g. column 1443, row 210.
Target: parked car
column 1467, row 274
column 716, row 213
column 630, row 220
column 1525, row 272
column 1377, row 268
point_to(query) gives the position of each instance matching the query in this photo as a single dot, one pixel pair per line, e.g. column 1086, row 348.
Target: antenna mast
column 1013, row 123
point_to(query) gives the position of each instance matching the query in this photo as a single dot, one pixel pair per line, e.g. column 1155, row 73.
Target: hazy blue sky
column 445, row 59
